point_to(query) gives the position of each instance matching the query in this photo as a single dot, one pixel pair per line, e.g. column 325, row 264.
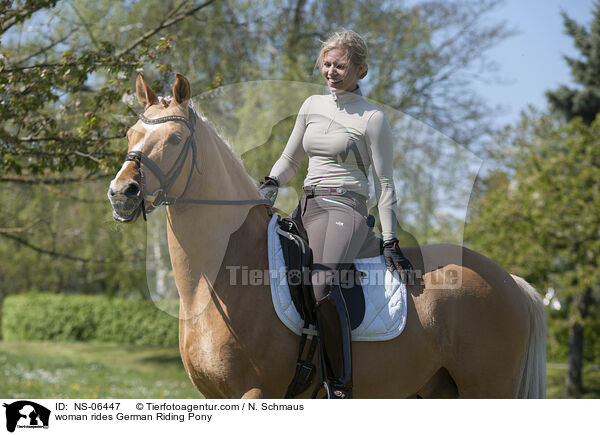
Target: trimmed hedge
column 60, row 317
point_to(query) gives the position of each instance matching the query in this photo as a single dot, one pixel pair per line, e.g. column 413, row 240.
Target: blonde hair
column 350, row 41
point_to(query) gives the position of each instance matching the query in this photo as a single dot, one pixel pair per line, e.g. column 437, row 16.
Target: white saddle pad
column 385, row 295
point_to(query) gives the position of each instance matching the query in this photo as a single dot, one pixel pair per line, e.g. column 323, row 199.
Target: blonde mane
column 226, row 145
column 166, row 102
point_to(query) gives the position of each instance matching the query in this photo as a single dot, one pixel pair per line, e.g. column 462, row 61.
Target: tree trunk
column 574, row 378
column 574, row 381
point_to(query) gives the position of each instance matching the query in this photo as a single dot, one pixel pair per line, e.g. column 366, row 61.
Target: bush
column 60, row 317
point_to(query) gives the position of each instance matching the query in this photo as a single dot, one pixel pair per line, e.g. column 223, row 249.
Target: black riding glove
column 268, row 189
column 395, row 259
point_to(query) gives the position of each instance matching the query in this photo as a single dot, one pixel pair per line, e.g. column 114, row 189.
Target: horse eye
column 174, row 138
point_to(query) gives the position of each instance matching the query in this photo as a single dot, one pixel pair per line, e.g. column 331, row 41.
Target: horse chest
column 210, row 356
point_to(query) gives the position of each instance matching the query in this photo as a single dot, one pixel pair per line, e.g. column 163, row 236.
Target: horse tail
column 532, row 376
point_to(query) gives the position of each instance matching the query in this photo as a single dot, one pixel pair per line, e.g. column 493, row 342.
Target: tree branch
column 47, row 47
column 86, row 26
column 51, row 252
column 169, row 21
column 52, row 181
column 19, row 15
column 68, row 195
column 60, row 65
column 61, row 139
column 19, row 229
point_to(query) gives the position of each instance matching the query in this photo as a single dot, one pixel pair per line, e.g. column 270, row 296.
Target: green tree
column 62, row 100
column 583, row 100
column 63, row 121
column 542, row 221
column 66, row 78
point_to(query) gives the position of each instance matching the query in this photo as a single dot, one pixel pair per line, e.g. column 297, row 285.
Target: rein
column 160, row 196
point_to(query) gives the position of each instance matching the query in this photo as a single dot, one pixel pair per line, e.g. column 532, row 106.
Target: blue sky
column 531, row 62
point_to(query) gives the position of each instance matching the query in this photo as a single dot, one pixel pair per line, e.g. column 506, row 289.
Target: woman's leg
column 336, row 232
column 336, row 228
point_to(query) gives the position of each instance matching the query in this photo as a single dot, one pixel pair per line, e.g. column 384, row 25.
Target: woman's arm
column 380, row 139
column 293, row 153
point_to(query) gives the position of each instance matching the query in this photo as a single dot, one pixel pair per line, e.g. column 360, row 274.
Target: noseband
column 167, row 180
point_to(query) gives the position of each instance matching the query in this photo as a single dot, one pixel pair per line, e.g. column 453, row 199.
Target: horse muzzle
column 126, row 205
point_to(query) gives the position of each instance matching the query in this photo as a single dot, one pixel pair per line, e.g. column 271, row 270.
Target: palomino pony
column 472, row 329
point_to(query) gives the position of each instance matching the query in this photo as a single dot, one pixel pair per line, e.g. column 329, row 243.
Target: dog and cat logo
column 26, row 414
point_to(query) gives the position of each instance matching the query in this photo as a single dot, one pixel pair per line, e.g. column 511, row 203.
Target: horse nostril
column 132, row 190
column 111, row 191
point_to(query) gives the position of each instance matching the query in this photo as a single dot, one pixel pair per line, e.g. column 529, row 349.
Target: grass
column 555, row 381
column 99, row 370
column 88, row 370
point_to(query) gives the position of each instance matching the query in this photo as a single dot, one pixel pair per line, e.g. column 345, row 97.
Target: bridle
column 166, row 180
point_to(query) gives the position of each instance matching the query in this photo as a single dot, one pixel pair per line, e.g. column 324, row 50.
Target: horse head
column 161, row 147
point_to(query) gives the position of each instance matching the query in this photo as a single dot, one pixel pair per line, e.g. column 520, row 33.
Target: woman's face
column 339, row 73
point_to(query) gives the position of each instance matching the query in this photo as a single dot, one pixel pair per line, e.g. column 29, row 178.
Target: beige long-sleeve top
column 343, row 135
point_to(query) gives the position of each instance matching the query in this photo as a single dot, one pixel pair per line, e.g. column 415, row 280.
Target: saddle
column 297, row 257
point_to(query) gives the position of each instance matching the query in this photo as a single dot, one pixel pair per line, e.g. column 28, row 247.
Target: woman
column 343, row 135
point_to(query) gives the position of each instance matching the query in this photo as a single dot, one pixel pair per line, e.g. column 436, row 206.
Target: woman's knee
column 321, row 281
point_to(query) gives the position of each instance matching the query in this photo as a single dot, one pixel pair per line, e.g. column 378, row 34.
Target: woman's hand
column 395, row 259
column 268, row 189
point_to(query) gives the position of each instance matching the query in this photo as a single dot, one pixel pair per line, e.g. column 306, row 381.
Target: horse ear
column 181, row 89
column 144, row 94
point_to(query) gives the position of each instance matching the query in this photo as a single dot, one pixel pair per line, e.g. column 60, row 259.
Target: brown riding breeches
column 338, row 234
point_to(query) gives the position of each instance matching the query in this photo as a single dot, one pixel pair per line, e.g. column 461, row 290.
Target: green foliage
column 558, row 336
column 583, row 101
column 59, row 317
column 15, row 12
column 61, row 237
column 67, row 74
column 62, row 84
column 543, row 221
column 50, row 123
column 544, row 224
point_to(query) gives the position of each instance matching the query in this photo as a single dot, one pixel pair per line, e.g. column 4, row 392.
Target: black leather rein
column 160, row 196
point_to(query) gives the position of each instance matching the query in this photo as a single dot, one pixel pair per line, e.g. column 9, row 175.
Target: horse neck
column 199, row 234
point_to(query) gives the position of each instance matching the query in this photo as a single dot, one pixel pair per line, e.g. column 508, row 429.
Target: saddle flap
column 296, row 254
